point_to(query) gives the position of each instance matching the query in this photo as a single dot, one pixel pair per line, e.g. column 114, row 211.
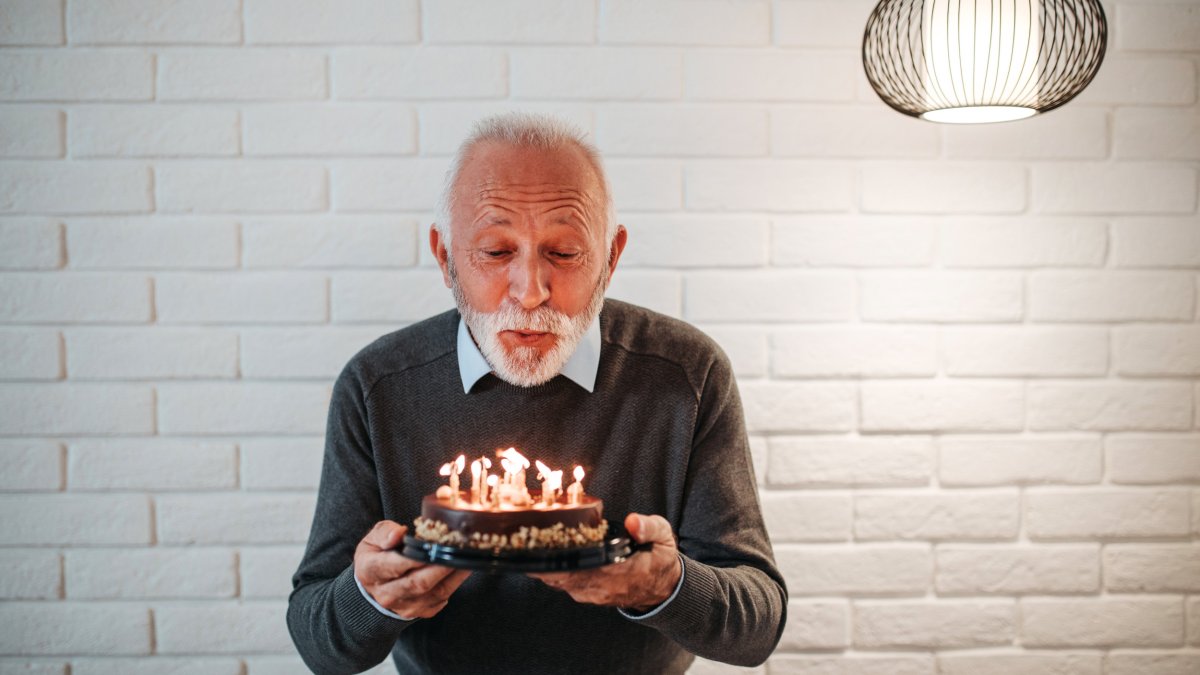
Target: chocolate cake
column 534, row 525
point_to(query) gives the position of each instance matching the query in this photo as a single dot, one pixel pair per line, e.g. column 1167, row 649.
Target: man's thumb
column 649, row 529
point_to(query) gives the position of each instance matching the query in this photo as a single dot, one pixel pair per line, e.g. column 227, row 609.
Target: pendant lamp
column 969, row 61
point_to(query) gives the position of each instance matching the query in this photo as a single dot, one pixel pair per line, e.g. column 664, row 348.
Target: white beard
column 526, row 366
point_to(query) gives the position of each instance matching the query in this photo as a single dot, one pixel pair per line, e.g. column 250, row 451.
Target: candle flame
column 554, row 480
column 512, row 454
column 445, row 470
column 487, row 463
column 460, row 463
column 578, row 473
column 543, row 470
column 493, row 480
column 476, row 467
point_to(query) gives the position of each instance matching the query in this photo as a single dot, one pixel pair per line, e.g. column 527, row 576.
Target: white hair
column 523, row 130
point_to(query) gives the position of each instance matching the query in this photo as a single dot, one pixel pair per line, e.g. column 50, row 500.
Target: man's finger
column 386, row 534
column 654, row 529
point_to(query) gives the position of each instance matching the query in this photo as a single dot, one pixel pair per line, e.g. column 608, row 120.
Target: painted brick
column 75, row 629
column 30, row 464
column 32, row 22
column 232, row 518
column 1030, row 351
column 31, row 132
column 151, row 464
column 301, row 353
column 170, row 353
column 943, row 187
column 389, row 296
column 1102, row 514
column 695, row 241
column 1104, row 188
column 815, row 625
column 1156, row 133
column 737, row 75
column 221, row 628
column 934, row 625
column 153, row 131
column 30, row 243
column 248, row 297
column 792, row 516
column 769, row 295
column 30, row 355
column 1067, row 133
column 1152, row 27
column 745, row 347
column 221, row 187
column 30, row 574
column 965, row 461
column 75, row 298
column 242, row 74
column 942, row 406
column 839, row 461
column 800, row 407
column 140, row 243
column 95, row 187
column 443, row 126
column 266, row 572
column 1111, row 296
column 646, row 185
column 388, row 185
column 155, row 665
column 1023, row 242
column 1156, row 242
column 1114, row 406
column 281, row 464
column 204, row 409
column 101, row 409
column 1133, row 663
column 820, row 23
column 848, row 131
column 850, row 351
column 759, row 454
column 693, row 131
column 599, row 74
column 855, row 570
column 1139, row 80
column 77, row 520
column 336, row 21
column 1032, row 663
column 511, row 21
column 703, row 22
column 76, row 75
column 150, row 573
column 790, row 664
column 1157, row 350
column 852, row 241
column 330, row 242
column 1152, row 568
column 1193, row 621
column 1153, row 459
column 927, row 516
column 941, row 296
column 1017, row 570
column 1102, row 622
column 419, row 73
column 154, row 21
column 322, row 129
column 661, row 292
column 767, row 186
column 17, row 666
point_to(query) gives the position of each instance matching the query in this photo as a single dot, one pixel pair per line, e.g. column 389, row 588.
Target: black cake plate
column 546, row 560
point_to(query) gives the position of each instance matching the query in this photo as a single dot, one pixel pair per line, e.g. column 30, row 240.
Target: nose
column 528, row 281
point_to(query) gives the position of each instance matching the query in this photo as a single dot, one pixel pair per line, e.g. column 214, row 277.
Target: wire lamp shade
column 982, row 60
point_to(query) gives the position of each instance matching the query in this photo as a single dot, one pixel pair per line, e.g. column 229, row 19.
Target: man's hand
column 409, row 588
column 640, row 583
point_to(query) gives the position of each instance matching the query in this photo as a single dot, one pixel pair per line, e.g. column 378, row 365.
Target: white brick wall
column 969, row 356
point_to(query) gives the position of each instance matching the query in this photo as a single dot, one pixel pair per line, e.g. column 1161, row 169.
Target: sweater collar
column 581, row 368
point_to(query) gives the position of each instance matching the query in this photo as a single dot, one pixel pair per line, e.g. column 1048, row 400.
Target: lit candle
column 514, row 473
column 551, row 481
column 445, row 491
column 575, row 492
column 492, row 483
column 457, row 469
column 476, row 468
column 484, row 465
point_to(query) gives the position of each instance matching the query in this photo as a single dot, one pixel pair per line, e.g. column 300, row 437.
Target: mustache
column 511, row 316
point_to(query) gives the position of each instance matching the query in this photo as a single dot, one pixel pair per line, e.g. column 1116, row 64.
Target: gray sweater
column 662, row 433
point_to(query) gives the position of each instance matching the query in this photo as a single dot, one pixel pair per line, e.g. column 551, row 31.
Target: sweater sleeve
column 334, row 627
column 732, row 604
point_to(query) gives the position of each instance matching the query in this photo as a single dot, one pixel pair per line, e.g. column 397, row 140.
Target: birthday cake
column 503, row 515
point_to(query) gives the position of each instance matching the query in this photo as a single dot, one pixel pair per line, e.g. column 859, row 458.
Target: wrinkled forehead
column 494, row 170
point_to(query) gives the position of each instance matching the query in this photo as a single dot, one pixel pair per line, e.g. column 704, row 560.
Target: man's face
column 529, row 260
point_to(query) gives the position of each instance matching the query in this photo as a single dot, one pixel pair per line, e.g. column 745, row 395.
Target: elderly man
column 535, row 357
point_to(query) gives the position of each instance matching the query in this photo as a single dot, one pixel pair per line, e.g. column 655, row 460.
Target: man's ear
column 440, row 253
column 618, row 246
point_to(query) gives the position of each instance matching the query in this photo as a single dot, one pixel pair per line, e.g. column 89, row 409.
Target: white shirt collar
column 581, row 368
